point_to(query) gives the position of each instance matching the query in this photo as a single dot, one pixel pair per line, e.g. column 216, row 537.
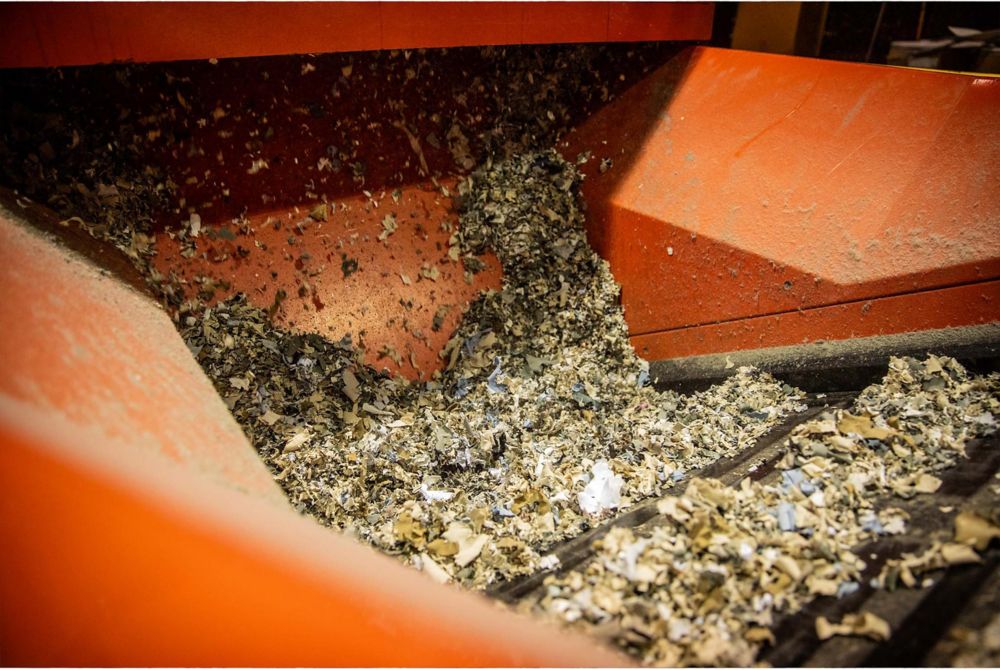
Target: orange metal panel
column 139, row 528
column 92, row 350
column 373, row 303
column 645, row 21
column 51, row 34
column 146, row 568
column 965, row 305
column 588, row 20
column 747, row 184
column 706, row 280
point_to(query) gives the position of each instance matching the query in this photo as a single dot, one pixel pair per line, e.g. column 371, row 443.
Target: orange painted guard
column 77, row 33
column 140, row 529
column 745, row 185
column 400, row 297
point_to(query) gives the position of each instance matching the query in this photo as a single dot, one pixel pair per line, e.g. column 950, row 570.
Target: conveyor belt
column 920, row 618
column 761, row 457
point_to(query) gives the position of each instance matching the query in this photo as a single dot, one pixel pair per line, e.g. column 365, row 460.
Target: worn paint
column 796, row 185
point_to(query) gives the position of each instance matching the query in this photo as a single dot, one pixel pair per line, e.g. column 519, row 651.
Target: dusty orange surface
column 743, row 185
column 387, row 305
column 140, row 529
column 85, row 347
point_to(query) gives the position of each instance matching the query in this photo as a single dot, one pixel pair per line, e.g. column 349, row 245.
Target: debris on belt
column 541, row 425
column 970, row 648
column 703, row 583
column 864, row 624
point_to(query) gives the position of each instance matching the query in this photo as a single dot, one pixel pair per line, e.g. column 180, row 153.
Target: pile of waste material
column 704, row 584
column 542, row 424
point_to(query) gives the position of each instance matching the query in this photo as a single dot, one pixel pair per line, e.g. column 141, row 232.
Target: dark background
column 849, row 26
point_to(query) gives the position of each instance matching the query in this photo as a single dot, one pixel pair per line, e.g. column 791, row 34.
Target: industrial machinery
column 807, row 217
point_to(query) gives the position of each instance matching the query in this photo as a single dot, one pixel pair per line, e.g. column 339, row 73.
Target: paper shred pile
column 865, row 624
column 973, row 534
column 542, row 425
column 702, row 584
